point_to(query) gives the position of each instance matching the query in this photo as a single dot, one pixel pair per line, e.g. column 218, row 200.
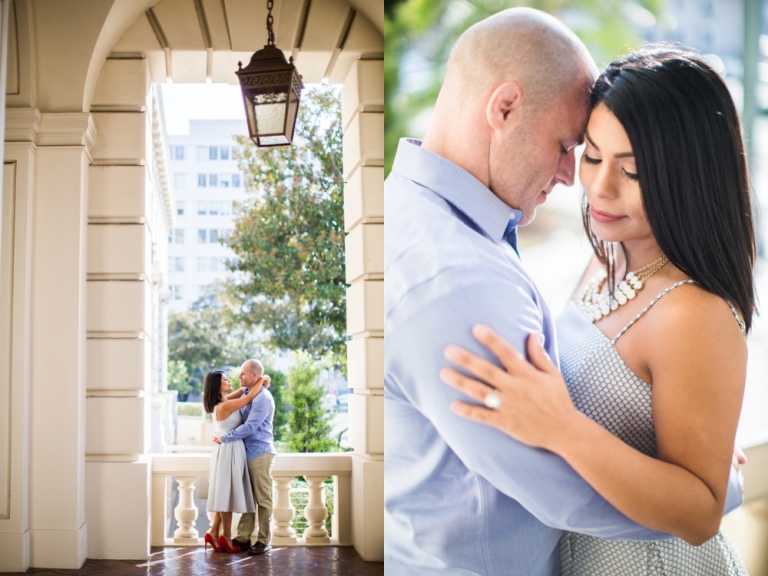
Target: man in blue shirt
column 463, row 498
column 256, row 434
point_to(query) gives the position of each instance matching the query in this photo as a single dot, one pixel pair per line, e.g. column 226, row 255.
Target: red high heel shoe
column 208, row 539
column 227, row 547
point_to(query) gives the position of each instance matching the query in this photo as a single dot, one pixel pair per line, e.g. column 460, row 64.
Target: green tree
column 427, row 29
column 289, row 235
column 309, row 428
column 178, row 377
column 278, row 387
column 202, row 341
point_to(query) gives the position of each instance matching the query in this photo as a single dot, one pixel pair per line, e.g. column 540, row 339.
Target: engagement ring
column 492, row 400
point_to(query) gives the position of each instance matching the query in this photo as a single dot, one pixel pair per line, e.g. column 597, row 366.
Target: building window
column 178, row 180
column 235, row 180
column 179, row 207
column 224, row 180
column 213, row 208
column 202, row 152
column 224, row 153
column 201, row 236
column 201, row 180
column 213, row 264
column 177, row 152
column 225, row 234
column 213, row 153
column 175, row 264
column 213, row 180
column 202, row 264
column 176, row 236
column 202, row 207
column 213, row 236
column 176, row 292
column 226, row 208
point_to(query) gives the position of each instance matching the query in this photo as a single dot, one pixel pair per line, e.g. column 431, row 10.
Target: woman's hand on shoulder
column 533, row 401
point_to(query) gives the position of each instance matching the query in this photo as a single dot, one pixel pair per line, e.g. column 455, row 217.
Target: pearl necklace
column 595, row 305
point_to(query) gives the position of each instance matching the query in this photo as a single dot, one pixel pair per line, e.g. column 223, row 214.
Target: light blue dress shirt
column 256, row 429
column 462, row 497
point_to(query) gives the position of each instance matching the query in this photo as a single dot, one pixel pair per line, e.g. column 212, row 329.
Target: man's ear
column 504, row 106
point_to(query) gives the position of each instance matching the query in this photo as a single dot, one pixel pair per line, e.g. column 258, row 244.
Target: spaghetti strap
column 652, row 302
column 741, row 322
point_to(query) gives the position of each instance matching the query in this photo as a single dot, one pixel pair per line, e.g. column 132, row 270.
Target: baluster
column 283, row 512
column 316, row 512
column 186, row 512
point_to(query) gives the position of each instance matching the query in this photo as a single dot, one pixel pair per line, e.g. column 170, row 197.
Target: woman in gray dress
column 230, row 484
column 652, row 345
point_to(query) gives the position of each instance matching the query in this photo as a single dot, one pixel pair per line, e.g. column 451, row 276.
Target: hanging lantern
column 271, row 92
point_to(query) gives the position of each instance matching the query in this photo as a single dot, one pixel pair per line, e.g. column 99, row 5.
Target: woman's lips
column 603, row 217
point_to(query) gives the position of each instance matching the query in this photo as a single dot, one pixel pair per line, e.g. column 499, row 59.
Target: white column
column 283, row 512
column 119, row 318
column 363, row 121
column 15, row 287
column 57, row 392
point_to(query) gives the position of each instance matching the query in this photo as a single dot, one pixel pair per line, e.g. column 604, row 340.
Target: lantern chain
column 270, row 20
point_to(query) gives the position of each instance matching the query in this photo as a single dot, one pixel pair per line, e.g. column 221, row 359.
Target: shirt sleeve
column 418, row 329
column 259, row 412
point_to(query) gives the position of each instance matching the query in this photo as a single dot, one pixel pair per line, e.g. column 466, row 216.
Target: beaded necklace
column 595, row 305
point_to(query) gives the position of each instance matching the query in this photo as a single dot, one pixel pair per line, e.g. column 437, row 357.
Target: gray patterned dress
column 606, row 390
column 230, row 483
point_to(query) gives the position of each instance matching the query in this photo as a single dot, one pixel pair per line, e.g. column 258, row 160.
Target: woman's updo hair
column 686, row 137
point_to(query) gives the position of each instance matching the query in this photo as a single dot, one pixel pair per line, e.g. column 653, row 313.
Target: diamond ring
column 492, row 400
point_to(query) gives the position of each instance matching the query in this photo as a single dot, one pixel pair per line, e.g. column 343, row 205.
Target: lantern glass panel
column 270, row 112
column 293, row 107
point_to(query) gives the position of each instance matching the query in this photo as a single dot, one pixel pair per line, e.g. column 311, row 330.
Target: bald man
column 256, row 434
column 460, row 497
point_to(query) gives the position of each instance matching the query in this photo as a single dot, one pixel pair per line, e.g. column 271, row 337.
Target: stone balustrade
column 314, row 468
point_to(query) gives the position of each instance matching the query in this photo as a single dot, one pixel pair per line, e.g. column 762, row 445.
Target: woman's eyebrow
column 596, row 147
column 589, row 139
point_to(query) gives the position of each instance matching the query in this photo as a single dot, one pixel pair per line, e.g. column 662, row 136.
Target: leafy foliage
column 289, row 235
column 425, row 31
column 309, row 428
column 278, row 388
column 178, row 377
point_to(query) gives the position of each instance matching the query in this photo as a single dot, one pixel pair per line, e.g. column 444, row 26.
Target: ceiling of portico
column 192, row 40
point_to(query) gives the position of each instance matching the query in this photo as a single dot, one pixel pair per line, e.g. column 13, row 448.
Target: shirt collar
column 456, row 186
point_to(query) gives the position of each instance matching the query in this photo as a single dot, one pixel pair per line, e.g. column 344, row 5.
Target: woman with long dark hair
column 230, row 484
column 652, row 344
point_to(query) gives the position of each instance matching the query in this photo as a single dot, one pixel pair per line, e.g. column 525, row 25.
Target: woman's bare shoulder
column 692, row 319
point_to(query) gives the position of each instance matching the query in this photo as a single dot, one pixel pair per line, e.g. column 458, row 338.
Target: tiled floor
column 320, row 561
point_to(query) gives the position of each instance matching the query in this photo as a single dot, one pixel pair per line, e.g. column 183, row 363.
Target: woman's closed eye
column 589, row 160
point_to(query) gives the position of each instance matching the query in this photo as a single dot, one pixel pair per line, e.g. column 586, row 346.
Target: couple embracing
column 241, row 463
column 601, row 443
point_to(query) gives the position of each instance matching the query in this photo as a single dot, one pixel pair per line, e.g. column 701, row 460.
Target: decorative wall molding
column 93, row 334
column 21, row 124
column 67, row 129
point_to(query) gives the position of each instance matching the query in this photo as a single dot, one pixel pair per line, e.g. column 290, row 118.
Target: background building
column 208, row 185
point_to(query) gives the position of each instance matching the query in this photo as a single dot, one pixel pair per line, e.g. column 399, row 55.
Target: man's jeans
column 260, row 469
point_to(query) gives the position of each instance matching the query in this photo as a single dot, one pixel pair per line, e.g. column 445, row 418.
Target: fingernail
column 480, row 330
column 541, row 339
column 452, row 353
column 445, row 375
